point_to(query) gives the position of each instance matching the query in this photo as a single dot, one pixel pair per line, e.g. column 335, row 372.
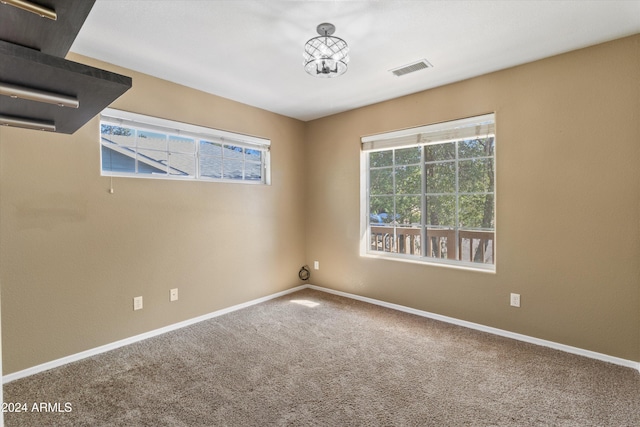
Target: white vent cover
column 410, row 68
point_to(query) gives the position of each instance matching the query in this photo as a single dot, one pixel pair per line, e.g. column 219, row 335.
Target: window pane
column 481, row 147
column 408, row 180
column 232, row 152
column 407, row 240
column 118, row 135
column 153, row 140
column 182, row 164
column 182, row 144
column 253, row 155
column 253, row 171
column 441, row 211
column 382, row 238
column 232, row 169
column 437, row 152
column 476, row 176
column 441, row 243
column 407, row 156
column 210, row 148
column 381, row 209
column 476, row 211
column 381, row 181
column 381, row 158
column 408, row 210
column 152, row 162
column 114, row 161
column 441, row 177
column 211, row 167
column 477, row 246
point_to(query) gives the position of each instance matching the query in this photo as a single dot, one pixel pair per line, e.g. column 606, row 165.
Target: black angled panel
column 94, row 88
column 24, row 28
column 32, row 51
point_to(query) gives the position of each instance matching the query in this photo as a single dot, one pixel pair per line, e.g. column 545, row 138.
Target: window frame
column 482, row 126
column 199, row 135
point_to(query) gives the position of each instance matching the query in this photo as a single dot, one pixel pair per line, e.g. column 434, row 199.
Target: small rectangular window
column 144, row 146
column 428, row 193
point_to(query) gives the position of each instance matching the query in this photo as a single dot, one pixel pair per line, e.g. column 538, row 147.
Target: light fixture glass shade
column 326, row 56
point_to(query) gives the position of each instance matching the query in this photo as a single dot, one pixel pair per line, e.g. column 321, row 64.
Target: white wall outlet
column 173, row 294
column 316, row 265
column 137, row 303
column 515, row 300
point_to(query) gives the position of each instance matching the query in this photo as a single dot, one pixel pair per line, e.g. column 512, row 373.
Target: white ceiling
column 251, row 51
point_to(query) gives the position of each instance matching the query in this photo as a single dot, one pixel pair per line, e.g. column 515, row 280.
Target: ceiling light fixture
column 326, row 56
column 27, row 123
column 43, row 12
column 23, row 92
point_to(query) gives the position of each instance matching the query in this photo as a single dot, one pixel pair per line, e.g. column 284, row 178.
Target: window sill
column 457, row 265
column 181, row 178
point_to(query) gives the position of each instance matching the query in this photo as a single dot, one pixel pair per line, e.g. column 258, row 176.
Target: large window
column 143, row 146
column 429, row 193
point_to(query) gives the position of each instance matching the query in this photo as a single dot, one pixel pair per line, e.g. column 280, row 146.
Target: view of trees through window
column 434, row 200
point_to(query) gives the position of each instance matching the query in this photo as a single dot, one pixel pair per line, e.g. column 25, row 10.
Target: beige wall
column 568, row 211
column 73, row 256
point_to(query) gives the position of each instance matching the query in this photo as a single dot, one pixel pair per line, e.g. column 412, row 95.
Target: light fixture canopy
column 326, row 56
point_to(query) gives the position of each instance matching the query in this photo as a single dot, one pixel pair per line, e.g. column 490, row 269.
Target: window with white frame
column 428, row 193
column 143, row 146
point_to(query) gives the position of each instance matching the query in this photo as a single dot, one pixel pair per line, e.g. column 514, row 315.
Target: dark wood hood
column 32, row 51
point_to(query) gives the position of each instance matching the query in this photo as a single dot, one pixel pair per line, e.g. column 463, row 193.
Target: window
column 143, row 146
column 428, row 193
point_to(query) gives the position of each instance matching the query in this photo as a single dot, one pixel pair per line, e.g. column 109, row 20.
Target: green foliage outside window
column 458, row 186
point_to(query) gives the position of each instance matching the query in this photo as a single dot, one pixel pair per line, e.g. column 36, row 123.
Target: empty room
column 232, row 213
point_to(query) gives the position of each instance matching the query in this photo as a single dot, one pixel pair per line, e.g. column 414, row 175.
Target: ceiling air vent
column 410, row 68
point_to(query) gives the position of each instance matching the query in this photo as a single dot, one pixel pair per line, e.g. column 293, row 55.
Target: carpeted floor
column 312, row 358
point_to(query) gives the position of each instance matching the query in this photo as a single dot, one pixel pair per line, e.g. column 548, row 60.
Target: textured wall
column 568, row 211
column 73, row 256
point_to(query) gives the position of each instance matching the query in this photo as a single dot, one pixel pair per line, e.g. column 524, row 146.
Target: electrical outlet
column 515, row 300
column 173, row 294
column 137, row 303
column 316, row 265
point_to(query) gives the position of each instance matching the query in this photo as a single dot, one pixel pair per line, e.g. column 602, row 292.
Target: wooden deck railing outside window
column 473, row 245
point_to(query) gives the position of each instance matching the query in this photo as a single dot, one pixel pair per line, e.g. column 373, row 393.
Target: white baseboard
column 495, row 331
column 107, row 347
column 112, row 346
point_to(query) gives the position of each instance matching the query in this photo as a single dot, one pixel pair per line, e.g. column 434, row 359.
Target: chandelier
column 325, row 55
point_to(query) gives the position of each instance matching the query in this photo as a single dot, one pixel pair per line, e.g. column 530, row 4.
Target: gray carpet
column 312, row 358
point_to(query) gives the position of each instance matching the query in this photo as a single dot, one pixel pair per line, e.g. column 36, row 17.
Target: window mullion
column 244, row 164
column 136, row 131
column 456, row 225
column 222, row 160
column 393, row 219
column 169, row 162
column 367, row 197
column 197, row 142
column 423, row 202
